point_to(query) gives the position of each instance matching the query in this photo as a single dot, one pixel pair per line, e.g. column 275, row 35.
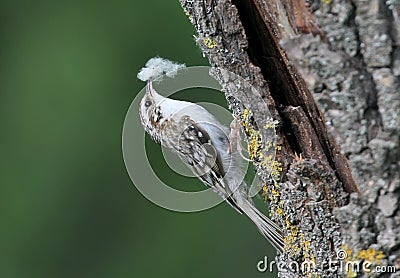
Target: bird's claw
column 234, row 138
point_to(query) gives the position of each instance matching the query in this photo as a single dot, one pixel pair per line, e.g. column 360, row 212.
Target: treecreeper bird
column 203, row 144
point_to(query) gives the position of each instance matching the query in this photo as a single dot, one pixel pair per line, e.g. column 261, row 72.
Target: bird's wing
column 197, row 151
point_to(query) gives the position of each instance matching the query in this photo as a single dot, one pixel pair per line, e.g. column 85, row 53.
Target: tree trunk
column 328, row 72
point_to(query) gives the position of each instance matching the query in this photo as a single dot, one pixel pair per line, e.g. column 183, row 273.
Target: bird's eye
column 147, row 103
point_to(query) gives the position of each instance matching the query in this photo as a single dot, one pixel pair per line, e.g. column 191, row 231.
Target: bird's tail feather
column 267, row 228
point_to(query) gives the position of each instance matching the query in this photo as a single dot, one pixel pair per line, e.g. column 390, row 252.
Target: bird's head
column 150, row 111
column 155, row 110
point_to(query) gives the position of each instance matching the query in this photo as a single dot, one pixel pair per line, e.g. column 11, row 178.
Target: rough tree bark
column 329, row 73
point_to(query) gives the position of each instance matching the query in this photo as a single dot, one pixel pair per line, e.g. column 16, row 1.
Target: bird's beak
column 152, row 93
column 149, row 87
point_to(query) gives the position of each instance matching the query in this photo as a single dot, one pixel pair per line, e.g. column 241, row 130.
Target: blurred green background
column 67, row 205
